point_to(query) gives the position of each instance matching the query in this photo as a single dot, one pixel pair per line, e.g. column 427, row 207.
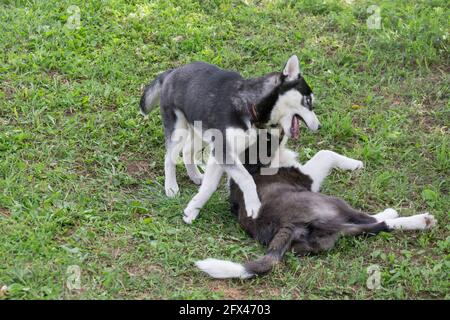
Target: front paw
column 252, row 208
column 351, row 164
column 190, row 215
column 171, row 190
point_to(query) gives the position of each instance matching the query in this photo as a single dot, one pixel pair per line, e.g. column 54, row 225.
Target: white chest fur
column 238, row 139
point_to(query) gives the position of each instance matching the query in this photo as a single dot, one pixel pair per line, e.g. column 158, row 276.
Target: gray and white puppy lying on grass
column 294, row 215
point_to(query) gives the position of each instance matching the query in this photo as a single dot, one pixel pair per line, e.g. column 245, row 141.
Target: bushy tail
column 150, row 97
column 222, row 269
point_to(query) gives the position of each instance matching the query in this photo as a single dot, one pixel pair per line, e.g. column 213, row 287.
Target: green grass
column 81, row 175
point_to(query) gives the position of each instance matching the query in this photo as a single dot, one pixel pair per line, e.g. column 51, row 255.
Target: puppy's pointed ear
column 292, row 68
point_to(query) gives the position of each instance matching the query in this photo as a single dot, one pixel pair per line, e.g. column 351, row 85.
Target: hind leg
column 189, row 151
column 170, row 180
column 300, row 244
column 357, row 217
column 313, row 240
column 389, row 213
column 175, row 127
column 416, row 222
column 213, row 173
column 320, row 165
column 368, row 228
column 387, row 219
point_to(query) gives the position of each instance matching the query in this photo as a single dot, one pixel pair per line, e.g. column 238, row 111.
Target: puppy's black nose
column 320, row 126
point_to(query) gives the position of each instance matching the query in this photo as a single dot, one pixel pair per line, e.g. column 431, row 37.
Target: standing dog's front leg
column 319, row 167
column 237, row 140
column 247, row 185
column 210, row 181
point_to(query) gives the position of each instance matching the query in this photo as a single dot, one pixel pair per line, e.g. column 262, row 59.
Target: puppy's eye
column 307, row 102
column 273, row 125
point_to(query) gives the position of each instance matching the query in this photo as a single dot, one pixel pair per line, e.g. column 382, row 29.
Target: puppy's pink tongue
column 294, row 127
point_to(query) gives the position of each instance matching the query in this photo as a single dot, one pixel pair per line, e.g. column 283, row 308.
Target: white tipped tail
column 221, row 269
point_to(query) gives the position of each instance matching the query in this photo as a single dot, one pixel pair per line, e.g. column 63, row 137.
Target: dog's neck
column 268, row 137
column 253, row 112
column 259, row 94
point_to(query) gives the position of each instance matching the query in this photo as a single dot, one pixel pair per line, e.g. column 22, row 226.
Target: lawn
column 81, row 171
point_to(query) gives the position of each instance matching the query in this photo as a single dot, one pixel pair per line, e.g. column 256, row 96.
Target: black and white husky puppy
column 294, row 216
column 228, row 108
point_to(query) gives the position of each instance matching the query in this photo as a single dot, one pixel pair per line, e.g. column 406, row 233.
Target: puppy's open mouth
column 295, row 126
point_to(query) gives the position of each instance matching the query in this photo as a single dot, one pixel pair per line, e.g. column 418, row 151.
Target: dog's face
column 295, row 102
